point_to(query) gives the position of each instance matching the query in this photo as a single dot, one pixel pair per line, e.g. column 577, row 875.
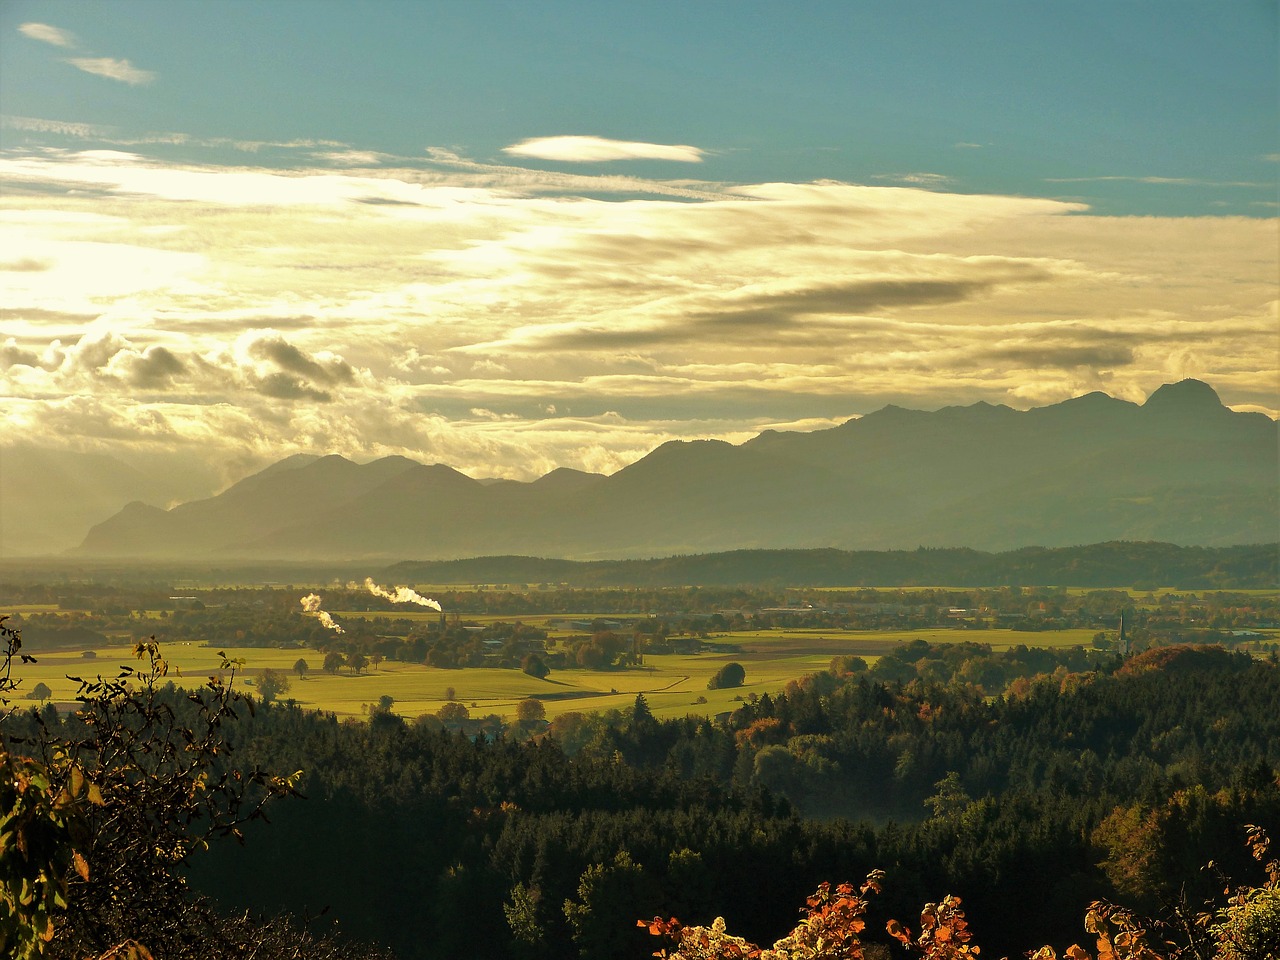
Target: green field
column 672, row 683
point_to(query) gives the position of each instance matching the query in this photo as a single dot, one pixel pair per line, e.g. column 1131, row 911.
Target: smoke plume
column 400, row 595
column 311, row 604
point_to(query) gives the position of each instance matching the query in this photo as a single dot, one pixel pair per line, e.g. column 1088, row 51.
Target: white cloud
column 918, row 179
column 578, row 149
column 61, row 127
column 114, row 69
column 1159, row 181
column 506, row 320
column 353, row 158
column 47, row 34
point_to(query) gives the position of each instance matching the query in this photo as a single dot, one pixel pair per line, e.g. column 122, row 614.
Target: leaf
column 898, row 932
column 81, row 866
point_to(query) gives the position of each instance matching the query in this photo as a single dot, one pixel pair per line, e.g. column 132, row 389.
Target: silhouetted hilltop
column 1181, row 468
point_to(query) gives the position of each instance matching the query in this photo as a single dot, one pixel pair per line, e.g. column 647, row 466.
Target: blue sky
column 1049, row 96
column 515, row 236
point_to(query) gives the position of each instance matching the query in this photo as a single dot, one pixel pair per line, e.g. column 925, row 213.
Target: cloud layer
column 508, row 320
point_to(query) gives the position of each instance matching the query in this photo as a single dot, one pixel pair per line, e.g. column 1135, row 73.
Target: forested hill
column 1089, row 785
column 1115, row 564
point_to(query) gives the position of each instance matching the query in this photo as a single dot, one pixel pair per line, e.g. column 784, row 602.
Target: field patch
column 673, row 684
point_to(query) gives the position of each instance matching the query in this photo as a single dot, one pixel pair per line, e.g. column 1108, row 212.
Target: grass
column 671, row 683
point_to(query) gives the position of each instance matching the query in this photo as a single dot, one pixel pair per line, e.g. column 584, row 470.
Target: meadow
column 673, row 684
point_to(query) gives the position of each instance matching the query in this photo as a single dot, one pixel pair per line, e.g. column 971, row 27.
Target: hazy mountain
column 1180, row 468
column 49, row 498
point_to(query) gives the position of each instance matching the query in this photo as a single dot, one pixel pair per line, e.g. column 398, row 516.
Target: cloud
column 1040, row 356
column 507, row 320
column 1159, row 181
column 11, row 355
column 577, row 149
column 24, row 265
column 114, row 69
column 282, row 386
column 155, row 368
column 327, row 370
column 61, row 127
column 353, row 158
column 917, row 179
column 47, row 34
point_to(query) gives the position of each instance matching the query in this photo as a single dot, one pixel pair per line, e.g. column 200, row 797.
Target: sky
column 517, row 236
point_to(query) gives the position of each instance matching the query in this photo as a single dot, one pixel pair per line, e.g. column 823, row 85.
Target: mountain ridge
column 1180, row 467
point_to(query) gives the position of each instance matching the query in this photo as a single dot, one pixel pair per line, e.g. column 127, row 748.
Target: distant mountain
column 49, row 498
column 1180, row 468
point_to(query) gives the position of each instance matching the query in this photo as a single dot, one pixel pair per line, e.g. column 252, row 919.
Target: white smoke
column 329, row 622
column 400, row 595
column 311, row 604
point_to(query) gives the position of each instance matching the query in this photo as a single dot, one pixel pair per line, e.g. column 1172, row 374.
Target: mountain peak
column 1183, row 396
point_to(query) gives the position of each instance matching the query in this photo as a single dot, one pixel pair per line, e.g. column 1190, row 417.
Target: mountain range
column 1180, row 468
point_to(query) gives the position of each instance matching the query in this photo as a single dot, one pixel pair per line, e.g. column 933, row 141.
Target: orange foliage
column 762, row 732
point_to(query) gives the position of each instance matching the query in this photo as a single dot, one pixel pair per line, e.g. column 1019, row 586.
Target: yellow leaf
column 81, row 866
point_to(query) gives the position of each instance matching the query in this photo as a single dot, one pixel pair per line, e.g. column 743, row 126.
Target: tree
column 728, row 676
column 950, row 797
column 271, row 684
column 530, row 710
column 117, row 798
column 535, row 666
column 848, row 664
column 40, row 691
column 453, row 712
column 333, row 662
column 300, row 667
column 607, row 895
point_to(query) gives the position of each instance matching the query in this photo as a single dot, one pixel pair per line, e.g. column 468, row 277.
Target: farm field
column 671, row 683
